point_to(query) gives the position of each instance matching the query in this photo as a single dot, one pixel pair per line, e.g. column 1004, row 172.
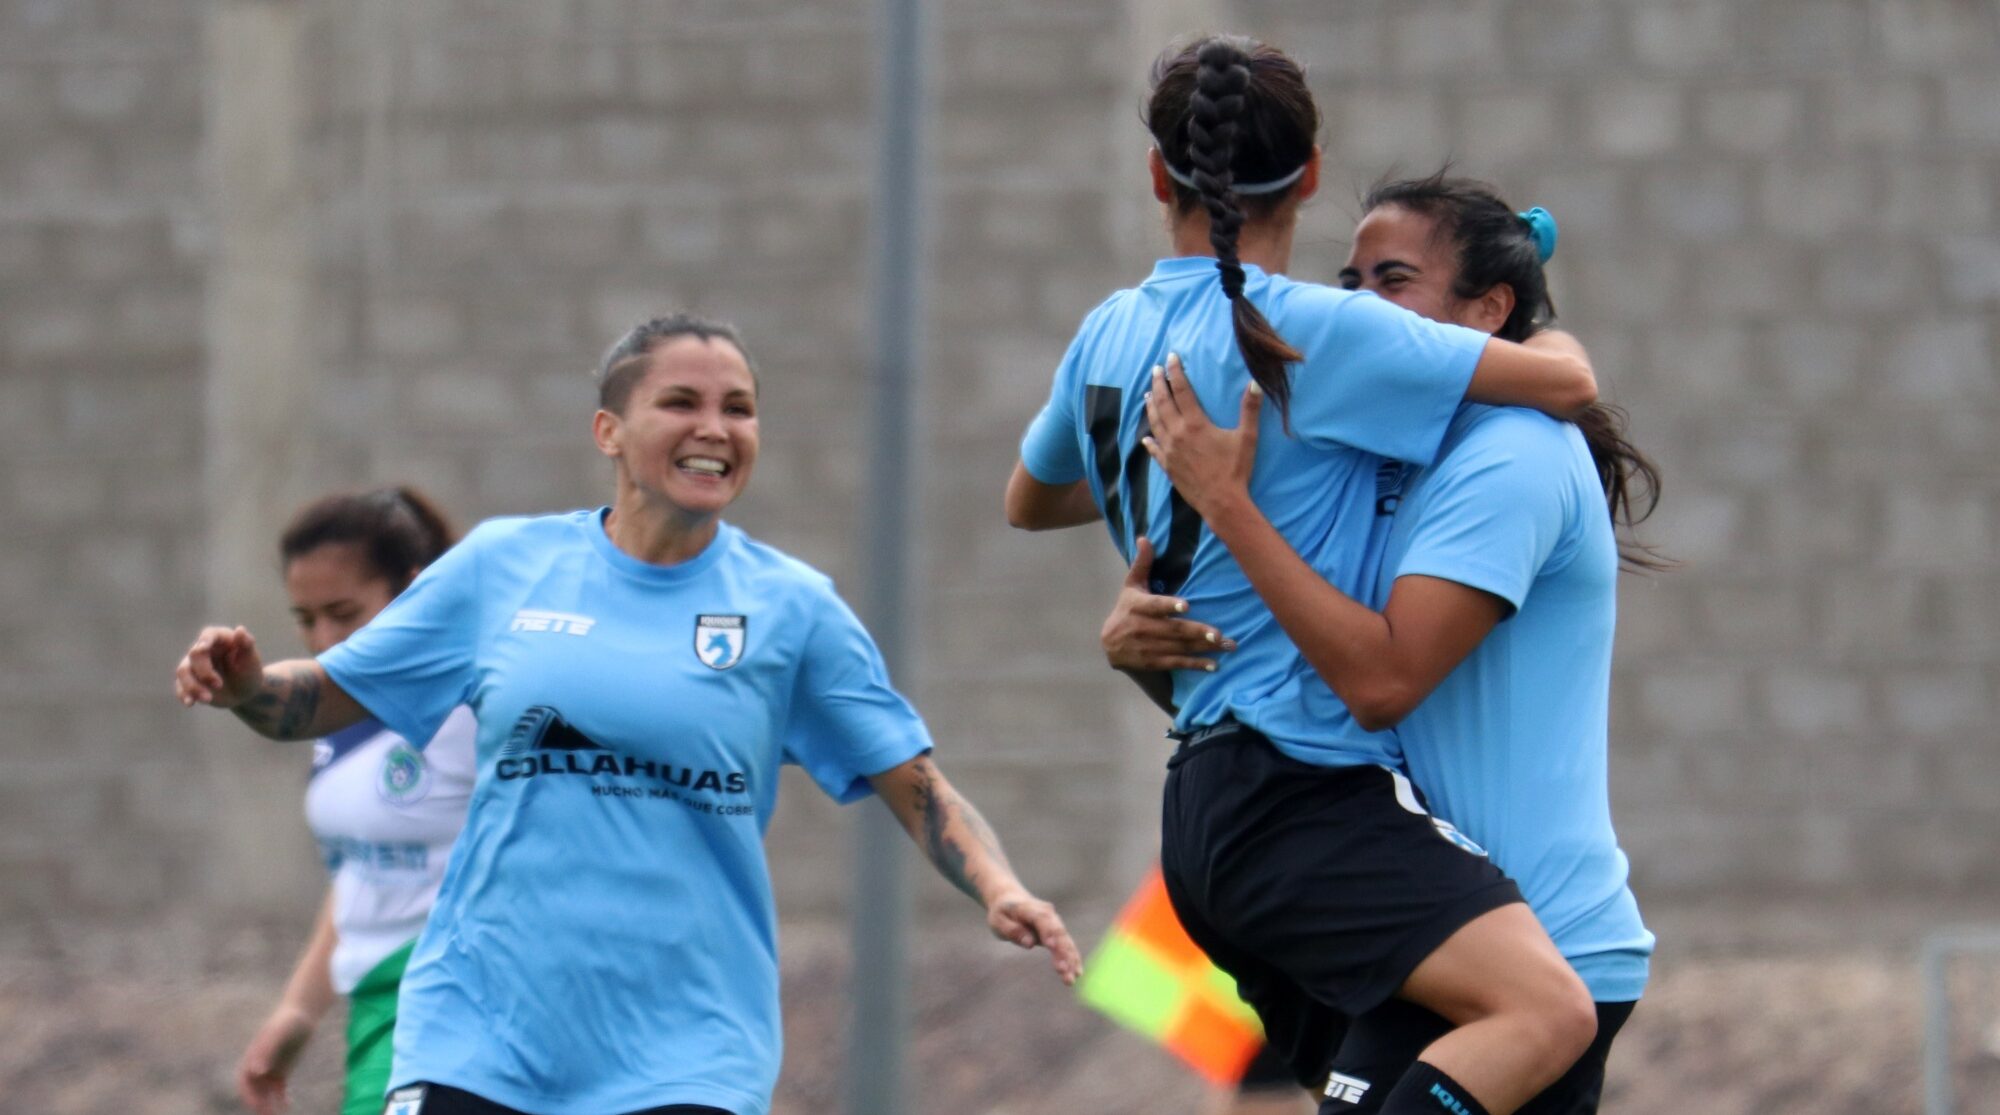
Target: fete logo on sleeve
column 719, row 640
column 533, row 619
column 543, row 745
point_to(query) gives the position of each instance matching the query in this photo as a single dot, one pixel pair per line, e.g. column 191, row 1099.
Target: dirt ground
column 1739, row 1021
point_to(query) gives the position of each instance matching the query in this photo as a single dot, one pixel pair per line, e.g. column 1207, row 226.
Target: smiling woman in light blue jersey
column 1512, row 745
column 1507, row 529
column 1352, row 894
column 605, row 940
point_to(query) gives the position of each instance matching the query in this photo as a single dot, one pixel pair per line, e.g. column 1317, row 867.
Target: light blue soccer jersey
column 604, row 939
column 1377, row 382
column 1511, row 747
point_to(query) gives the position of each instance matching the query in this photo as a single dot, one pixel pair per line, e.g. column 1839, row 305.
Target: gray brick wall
column 101, row 266
column 1779, row 241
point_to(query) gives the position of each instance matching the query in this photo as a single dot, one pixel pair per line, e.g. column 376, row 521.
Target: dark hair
column 1495, row 245
column 397, row 531
column 626, row 359
column 1225, row 110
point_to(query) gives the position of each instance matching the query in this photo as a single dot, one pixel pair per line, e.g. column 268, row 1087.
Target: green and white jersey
column 386, row 814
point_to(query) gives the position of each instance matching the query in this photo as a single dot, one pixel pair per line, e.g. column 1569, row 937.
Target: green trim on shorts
column 371, row 1033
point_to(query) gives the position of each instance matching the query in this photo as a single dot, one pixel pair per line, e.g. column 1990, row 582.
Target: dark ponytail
column 1226, row 111
column 1630, row 479
column 1496, row 245
column 397, row 531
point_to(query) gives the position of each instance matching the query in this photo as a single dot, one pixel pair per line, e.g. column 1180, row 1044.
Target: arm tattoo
column 284, row 708
column 946, row 844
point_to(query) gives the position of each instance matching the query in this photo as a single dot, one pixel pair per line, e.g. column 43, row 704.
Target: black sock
column 1424, row 1090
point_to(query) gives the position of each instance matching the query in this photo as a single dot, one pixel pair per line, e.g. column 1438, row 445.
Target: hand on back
column 1144, row 631
column 1206, row 463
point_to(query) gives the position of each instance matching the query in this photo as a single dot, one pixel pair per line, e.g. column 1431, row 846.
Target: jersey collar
column 678, row 573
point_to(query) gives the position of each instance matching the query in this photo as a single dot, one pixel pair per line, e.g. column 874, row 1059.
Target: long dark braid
column 1229, row 109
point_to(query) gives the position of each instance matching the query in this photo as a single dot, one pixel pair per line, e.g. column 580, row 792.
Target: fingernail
column 1213, row 638
column 1158, row 370
column 1209, row 666
column 1256, row 389
column 1228, row 644
column 1175, row 357
column 1180, row 605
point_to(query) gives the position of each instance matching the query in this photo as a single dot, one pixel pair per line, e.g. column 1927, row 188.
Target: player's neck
column 1268, row 244
column 657, row 533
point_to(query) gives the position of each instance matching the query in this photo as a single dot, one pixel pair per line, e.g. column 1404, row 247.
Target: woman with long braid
column 1510, row 744
column 1294, row 855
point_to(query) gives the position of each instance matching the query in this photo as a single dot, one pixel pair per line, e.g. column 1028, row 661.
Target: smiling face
column 333, row 593
column 1399, row 254
column 686, row 436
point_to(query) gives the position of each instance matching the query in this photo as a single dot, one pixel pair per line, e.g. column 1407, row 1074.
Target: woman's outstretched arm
column 964, row 849
column 288, row 700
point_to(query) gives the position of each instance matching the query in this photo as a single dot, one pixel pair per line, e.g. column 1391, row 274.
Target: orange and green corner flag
column 1148, row 976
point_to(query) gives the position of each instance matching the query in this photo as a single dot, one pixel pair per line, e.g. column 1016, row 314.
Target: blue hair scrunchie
column 1542, row 230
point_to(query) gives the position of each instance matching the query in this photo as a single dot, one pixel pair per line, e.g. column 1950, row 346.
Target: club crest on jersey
column 406, row 1101
column 719, row 640
column 403, row 780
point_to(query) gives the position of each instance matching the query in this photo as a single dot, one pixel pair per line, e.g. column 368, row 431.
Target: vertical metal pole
column 258, row 459
column 875, row 1076
column 1937, row 1029
column 1939, row 949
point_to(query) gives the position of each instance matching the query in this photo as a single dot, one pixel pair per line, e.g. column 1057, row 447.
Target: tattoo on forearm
column 957, row 839
column 286, row 705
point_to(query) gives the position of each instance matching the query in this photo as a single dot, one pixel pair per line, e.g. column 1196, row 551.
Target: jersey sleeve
column 1495, row 509
column 1376, row 377
column 413, row 663
column 847, row 721
column 1050, row 450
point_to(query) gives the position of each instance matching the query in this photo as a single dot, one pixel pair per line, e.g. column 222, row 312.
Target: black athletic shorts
column 442, row 1099
column 1382, row 1044
column 1268, row 1072
column 1320, row 889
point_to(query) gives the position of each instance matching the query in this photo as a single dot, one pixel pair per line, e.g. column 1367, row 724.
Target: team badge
column 405, row 776
column 719, row 640
column 406, row 1101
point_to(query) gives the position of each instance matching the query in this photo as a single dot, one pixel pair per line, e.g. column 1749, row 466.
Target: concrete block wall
column 1778, row 239
column 102, row 251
